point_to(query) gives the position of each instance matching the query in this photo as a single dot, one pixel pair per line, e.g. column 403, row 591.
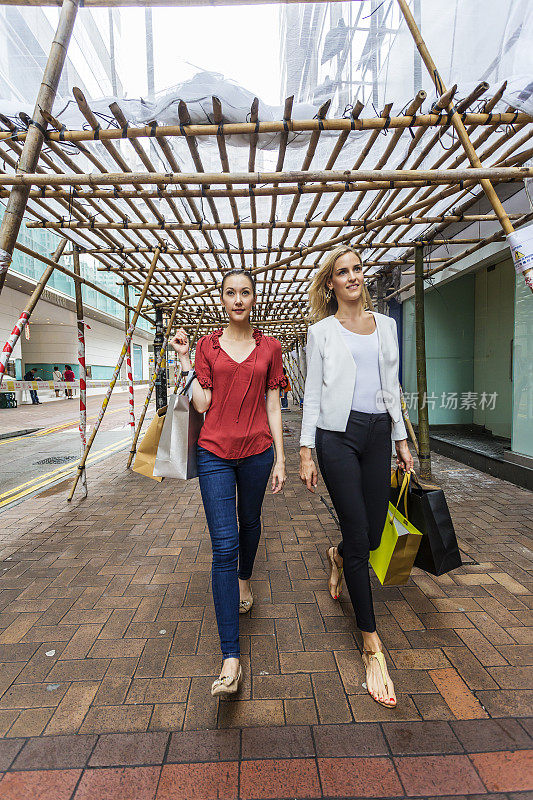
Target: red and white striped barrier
column 11, row 342
column 83, row 395
column 130, row 390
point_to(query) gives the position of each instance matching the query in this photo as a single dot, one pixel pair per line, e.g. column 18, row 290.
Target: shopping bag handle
column 403, row 491
column 188, row 384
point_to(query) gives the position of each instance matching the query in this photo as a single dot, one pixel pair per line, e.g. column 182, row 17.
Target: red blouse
column 236, row 423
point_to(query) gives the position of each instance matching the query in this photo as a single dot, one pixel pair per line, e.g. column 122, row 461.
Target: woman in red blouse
column 238, row 375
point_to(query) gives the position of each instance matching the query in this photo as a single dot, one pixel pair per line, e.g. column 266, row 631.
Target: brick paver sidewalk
column 108, row 647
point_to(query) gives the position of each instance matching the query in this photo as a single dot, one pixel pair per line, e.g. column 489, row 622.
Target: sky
column 241, row 43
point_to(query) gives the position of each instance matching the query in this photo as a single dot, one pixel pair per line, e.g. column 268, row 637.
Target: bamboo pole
column 65, row 271
column 83, row 370
column 476, row 174
column 459, row 126
column 424, row 454
column 30, row 305
column 157, row 366
column 116, row 372
column 128, row 361
column 293, row 126
column 16, row 205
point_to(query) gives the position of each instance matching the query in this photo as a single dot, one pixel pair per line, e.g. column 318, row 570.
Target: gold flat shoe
column 334, row 588
column 245, row 605
column 380, row 658
column 226, row 684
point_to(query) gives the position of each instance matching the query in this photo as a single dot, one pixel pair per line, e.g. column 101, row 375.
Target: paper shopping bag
column 176, row 453
column 147, row 449
column 393, row 560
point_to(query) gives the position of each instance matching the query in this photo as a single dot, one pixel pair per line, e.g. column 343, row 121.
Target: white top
column 365, row 353
column 331, row 376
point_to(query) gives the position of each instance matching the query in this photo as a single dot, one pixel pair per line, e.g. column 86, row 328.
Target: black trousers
column 356, row 467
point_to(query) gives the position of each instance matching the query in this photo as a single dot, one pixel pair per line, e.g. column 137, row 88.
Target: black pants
column 356, row 468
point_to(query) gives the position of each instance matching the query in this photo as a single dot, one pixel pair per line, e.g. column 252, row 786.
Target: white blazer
column 330, row 381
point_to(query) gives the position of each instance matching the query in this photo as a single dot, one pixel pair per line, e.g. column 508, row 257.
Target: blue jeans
column 232, row 488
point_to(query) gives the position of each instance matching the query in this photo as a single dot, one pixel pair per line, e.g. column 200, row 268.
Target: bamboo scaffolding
column 459, row 126
column 157, row 367
column 30, row 305
column 82, row 368
column 184, row 117
column 189, row 130
column 476, row 174
column 16, row 205
column 116, row 372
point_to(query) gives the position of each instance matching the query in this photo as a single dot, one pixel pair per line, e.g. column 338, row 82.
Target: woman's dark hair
column 237, row 271
column 67, row 366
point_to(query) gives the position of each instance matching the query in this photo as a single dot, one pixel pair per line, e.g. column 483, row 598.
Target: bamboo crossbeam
column 348, row 223
column 157, row 368
column 199, row 178
column 261, row 250
column 116, row 372
column 294, row 126
column 34, row 138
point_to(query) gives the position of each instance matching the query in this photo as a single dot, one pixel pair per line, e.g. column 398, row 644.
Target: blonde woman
column 351, row 412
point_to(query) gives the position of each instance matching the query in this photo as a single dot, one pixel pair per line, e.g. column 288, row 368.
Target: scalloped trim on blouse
column 276, row 383
column 215, row 337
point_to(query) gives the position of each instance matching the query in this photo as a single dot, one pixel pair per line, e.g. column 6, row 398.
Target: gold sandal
column 245, row 605
column 380, row 658
column 226, row 684
column 334, row 588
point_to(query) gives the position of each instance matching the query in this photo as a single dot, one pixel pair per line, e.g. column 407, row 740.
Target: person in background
column 284, row 391
column 68, row 375
column 57, row 376
column 30, row 376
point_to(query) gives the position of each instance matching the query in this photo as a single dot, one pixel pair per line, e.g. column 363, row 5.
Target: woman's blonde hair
column 322, row 301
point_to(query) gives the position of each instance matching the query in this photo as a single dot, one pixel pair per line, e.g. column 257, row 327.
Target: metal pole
column 161, row 380
column 16, row 205
column 32, row 302
column 116, row 372
column 158, row 362
column 424, row 454
column 81, row 362
column 128, row 361
column 462, row 134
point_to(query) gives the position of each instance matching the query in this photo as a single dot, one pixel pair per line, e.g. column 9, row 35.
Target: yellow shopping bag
column 147, row 449
column 393, row 560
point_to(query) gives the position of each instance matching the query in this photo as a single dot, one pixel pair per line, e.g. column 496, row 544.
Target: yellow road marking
column 61, row 473
column 59, row 469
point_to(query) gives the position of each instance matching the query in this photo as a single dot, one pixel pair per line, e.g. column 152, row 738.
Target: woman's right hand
column 308, row 470
column 180, row 343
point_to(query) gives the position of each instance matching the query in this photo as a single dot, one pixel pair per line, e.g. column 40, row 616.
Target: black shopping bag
column 426, row 508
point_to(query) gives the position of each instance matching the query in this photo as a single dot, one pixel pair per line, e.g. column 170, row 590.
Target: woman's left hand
column 404, row 459
column 279, row 476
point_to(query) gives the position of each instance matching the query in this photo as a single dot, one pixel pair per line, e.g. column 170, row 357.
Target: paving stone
column 438, row 775
column 359, row 777
column 191, row 781
column 349, row 740
column 129, row 749
column 208, row 745
column 417, row 738
column 41, row 785
column 296, row 778
column 480, row 736
column 505, row 772
column 55, row 752
column 267, row 742
column 119, row 784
